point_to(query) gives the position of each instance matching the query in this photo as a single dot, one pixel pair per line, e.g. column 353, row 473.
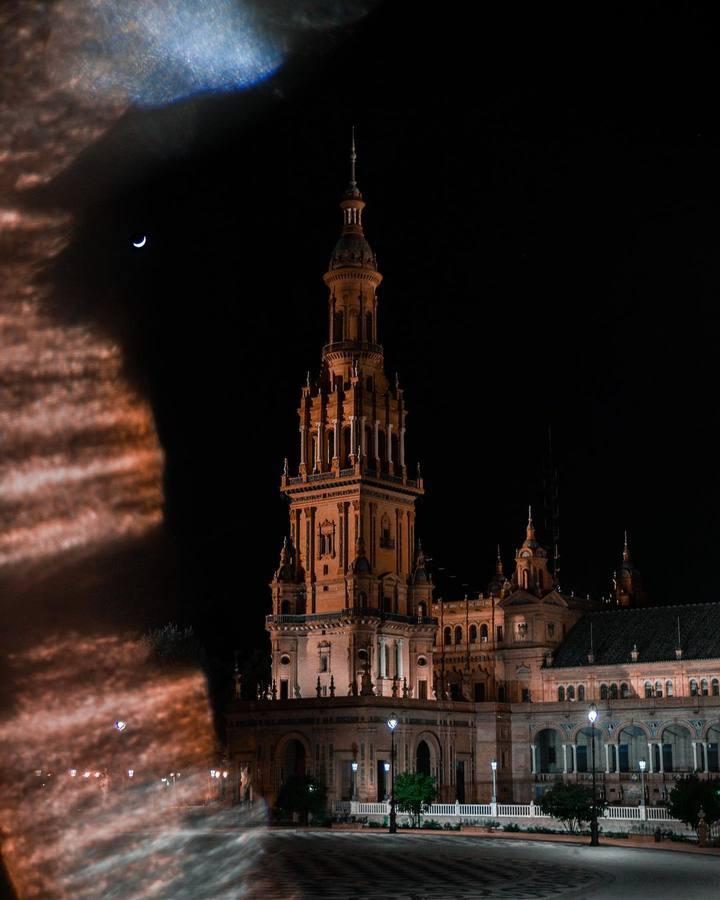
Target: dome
column 352, row 250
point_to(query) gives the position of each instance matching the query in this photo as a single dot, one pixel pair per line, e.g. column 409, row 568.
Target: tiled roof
column 653, row 629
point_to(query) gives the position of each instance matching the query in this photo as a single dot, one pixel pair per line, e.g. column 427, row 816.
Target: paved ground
column 307, row 865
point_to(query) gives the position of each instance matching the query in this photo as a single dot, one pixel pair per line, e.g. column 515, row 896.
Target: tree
column 414, row 792
column 304, row 795
column 689, row 795
column 571, row 804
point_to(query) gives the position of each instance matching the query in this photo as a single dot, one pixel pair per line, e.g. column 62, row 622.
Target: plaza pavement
column 330, row 865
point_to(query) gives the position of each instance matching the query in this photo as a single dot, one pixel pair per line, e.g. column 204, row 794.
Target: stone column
column 303, row 447
column 402, row 447
column 363, row 443
column 336, row 426
column 651, row 754
column 353, row 442
column 695, row 755
column 318, row 450
column 573, row 753
column 377, row 442
column 706, row 747
column 381, row 661
column 565, row 766
column 607, row 759
column 533, row 759
column 400, row 668
column 389, row 444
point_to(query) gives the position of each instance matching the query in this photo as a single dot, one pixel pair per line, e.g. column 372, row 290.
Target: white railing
column 658, row 812
column 516, row 810
column 622, row 812
column 475, row 809
column 482, row 811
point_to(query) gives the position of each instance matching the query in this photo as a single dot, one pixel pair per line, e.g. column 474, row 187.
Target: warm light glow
column 73, row 773
column 592, row 714
column 131, row 773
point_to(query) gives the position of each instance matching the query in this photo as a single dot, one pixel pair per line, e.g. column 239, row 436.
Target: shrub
column 511, row 826
column 414, row 792
column 571, row 804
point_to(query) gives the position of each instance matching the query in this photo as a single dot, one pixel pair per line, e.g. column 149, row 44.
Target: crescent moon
column 140, row 243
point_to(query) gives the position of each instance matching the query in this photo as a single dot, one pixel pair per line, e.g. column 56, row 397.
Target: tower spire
column 353, row 159
column 626, row 549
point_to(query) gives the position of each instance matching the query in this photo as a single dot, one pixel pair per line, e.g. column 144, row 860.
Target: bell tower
column 346, row 569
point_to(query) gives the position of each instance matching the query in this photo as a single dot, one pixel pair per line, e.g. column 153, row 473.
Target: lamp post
column 354, row 784
column 493, row 799
column 641, row 765
column 392, row 725
column 592, row 717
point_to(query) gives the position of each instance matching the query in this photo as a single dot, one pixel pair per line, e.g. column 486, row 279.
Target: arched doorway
column 547, row 752
column 676, row 749
column 584, row 750
column 293, row 759
column 632, row 747
column 713, row 746
column 422, row 758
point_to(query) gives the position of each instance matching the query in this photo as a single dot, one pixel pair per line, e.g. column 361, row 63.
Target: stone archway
column 423, row 762
column 548, row 751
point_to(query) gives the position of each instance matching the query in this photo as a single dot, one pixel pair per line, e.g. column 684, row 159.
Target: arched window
column 658, row 689
column 345, row 456
column 613, row 691
column 285, row 608
column 369, row 445
column 421, row 610
column 386, row 540
column 422, row 759
column 571, row 692
column 624, row 690
column 382, row 446
column 395, row 447
column 458, row 634
column 603, row 692
column 561, row 693
column 704, row 687
column 368, row 327
column 473, row 634
column 693, row 688
column 548, row 752
column 331, row 447
column 448, row 635
column 362, row 599
column 483, row 634
column 581, row 692
column 648, row 689
column 338, row 327
column 715, row 687
column 668, row 688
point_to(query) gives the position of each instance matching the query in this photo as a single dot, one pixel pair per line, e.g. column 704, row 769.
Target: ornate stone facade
column 507, row 675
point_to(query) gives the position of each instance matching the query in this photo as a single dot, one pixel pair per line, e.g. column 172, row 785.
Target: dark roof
column 352, row 250
column 653, row 629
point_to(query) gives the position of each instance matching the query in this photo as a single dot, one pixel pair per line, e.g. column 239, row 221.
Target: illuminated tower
column 531, row 564
column 350, row 599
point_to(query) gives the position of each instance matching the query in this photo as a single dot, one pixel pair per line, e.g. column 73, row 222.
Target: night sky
column 542, row 198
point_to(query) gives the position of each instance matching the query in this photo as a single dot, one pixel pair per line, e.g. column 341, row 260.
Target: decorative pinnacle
column 353, row 158
column 626, row 549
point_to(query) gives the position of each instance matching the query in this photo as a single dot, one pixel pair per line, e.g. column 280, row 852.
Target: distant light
column 354, row 766
column 120, row 725
column 172, row 774
column 131, row 772
column 493, row 765
column 392, row 722
column 592, row 714
column 97, row 774
column 73, row 773
column 38, row 772
column 642, row 764
column 212, row 773
column 387, row 767
column 225, row 774
column 86, row 774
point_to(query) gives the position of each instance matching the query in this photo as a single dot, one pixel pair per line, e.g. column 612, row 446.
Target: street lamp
column 493, row 767
column 354, row 785
column 641, row 765
column 392, row 725
column 592, row 718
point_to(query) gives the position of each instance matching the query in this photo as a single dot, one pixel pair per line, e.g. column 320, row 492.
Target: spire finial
column 626, row 549
column 353, row 158
column 529, row 515
column 498, row 563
